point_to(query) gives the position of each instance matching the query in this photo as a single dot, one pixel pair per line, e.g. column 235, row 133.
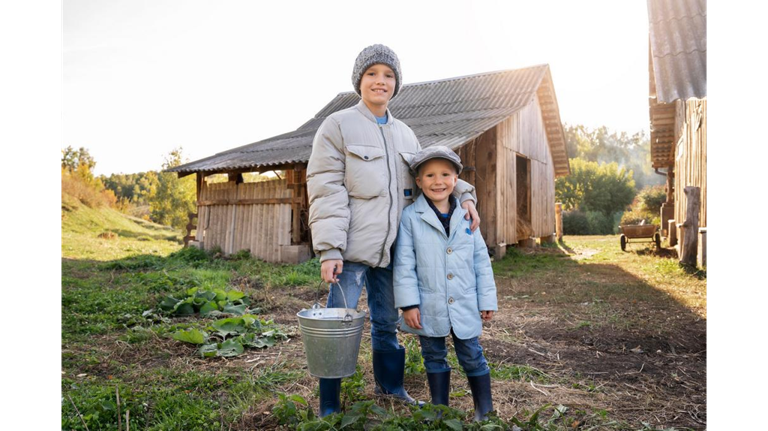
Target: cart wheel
column 623, row 242
column 657, row 239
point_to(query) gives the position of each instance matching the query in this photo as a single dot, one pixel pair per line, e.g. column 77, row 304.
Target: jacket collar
column 428, row 215
column 363, row 108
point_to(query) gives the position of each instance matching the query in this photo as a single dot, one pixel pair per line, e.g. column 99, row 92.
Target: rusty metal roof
column 447, row 112
column 678, row 42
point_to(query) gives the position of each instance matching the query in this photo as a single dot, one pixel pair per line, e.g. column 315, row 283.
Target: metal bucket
column 331, row 339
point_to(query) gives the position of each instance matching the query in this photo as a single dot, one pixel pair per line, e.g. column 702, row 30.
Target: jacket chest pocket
column 407, row 183
column 365, row 173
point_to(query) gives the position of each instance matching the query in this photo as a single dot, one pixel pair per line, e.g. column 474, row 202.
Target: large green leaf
column 233, row 325
column 234, row 309
column 234, row 295
column 230, row 348
column 220, row 295
column 184, row 309
column 209, row 350
column 208, row 307
column 194, row 336
column 169, row 303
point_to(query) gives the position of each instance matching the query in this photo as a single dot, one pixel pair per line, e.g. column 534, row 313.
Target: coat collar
column 363, row 108
column 428, row 215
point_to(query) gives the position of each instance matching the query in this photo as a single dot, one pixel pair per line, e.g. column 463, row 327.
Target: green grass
column 516, row 263
column 81, row 226
column 164, row 399
column 523, row 373
column 108, row 346
column 106, row 286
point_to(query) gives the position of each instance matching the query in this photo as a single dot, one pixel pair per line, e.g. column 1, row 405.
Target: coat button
column 450, row 276
column 451, row 300
column 449, row 251
column 365, row 157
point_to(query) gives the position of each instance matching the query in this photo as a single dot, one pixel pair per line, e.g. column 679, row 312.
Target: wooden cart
column 638, row 231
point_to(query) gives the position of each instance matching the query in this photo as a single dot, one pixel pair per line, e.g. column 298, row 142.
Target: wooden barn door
column 524, row 227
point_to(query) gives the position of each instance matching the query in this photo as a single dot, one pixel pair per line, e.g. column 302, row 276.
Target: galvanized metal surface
column 678, row 41
column 331, row 338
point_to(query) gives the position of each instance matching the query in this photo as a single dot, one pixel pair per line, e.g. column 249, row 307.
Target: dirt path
column 598, row 330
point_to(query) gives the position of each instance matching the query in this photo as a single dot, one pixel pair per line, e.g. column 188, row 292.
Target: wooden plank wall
column 493, row 157
column 261, row 228
column 691, row 156
column 524, row 133
column 480, row 154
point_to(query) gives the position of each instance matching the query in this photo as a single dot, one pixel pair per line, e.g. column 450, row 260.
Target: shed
column 505, row 125
column 677, row 63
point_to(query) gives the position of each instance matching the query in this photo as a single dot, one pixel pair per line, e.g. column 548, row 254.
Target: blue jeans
column 469, row 352
column 381, row 300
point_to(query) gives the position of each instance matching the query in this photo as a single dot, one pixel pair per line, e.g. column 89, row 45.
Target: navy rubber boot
column 389, row 371
column 439, row 387
column 481, row 395
column 330, row 392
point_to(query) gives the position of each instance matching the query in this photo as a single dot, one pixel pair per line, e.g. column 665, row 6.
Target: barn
column 505, row 125
column 678, row 114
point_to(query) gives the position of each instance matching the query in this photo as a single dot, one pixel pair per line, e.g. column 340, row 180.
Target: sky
column 141, row 78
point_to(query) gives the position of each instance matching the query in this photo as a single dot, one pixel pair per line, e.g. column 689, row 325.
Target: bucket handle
column 348, row 317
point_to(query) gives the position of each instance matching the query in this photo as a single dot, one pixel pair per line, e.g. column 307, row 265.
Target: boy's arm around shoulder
column 328, row 198
column 465, row 191
column 406, row 283
column 486, row 285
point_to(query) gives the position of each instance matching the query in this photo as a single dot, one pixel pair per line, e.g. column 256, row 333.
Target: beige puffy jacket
column 359, row 183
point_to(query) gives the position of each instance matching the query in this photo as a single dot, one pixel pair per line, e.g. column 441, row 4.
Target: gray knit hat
column 435, row 152
column 376, row 54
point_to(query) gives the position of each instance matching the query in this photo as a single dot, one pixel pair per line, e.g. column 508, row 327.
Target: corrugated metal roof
column 448, row 112
column 678, row 41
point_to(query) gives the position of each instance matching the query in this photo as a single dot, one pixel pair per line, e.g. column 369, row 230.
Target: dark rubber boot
column 439, row 387
column 389, row 371
column 330, row 402
column 481, row 395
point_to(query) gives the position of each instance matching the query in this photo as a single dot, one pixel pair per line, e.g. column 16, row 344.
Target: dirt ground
column 605, row 339
column 610, row 336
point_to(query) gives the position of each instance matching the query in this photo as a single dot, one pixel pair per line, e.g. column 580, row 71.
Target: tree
column 173, row 198
column 591, row 186
column 81, row 163
column 632, row 152
column 132, row 188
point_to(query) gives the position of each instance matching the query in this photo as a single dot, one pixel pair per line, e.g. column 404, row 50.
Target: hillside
column 121, row 235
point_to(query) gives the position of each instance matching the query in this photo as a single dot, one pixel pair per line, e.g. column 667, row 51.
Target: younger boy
column 443, row 279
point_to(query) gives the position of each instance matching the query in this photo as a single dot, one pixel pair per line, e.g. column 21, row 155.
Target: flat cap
column 435, row 152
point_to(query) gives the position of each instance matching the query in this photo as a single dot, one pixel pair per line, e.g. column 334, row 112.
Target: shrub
column 575, row 223
column 651, row 198
column 599, row 223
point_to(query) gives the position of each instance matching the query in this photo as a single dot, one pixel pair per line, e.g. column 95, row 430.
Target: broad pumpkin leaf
column 184, row 309
column 209, row 350
column 208, row 307
column 194, row 336
column 169, row 303
column 234, row 309
column 220, row 295
column 230, row 348
column 233, row 325
column 234, row 295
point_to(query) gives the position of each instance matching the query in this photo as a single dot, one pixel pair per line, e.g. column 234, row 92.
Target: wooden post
column 672, row 232
column 671, row 184
column 549, row 239
column 190, row 227
column 702, row 260
column 690, row 241
column 499, row 251
column 526, row 243
column 229, row 244
column 559, row 220
column 666, row 213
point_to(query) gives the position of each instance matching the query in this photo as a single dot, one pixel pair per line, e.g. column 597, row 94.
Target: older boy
column 443, row 279
column 358, row 184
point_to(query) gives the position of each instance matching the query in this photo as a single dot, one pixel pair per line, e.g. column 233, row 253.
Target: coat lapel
column 456, row 219
column 429, row 216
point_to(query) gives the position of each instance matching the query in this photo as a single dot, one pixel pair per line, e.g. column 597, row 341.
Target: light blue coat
column 451, row 279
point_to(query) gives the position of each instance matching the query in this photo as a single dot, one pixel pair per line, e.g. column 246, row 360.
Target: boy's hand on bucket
column 412, row 318
column 486, row 315
column 329, row 269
